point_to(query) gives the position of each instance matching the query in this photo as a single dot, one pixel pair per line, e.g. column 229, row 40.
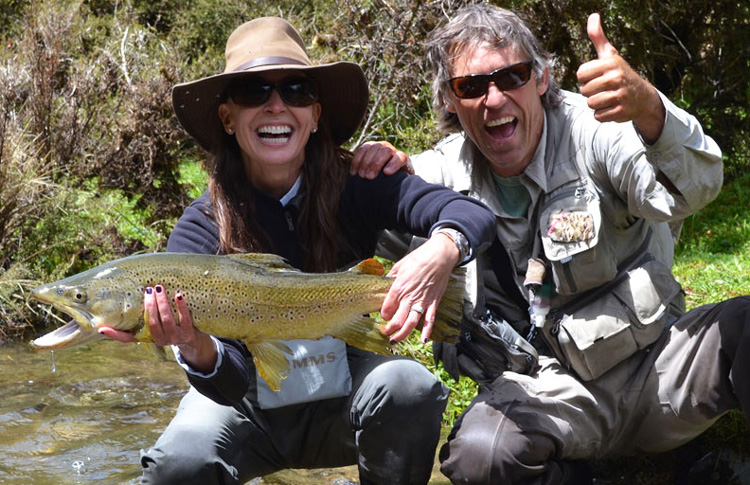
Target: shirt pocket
column 570, row 225
column 629, row 318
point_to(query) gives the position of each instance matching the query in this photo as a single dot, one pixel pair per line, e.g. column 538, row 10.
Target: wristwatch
column 464, row 249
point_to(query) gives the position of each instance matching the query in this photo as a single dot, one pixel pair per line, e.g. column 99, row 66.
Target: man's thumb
column 596, row 34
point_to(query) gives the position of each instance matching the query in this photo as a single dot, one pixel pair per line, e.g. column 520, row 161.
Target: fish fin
column 267, row 261
column 369, row 266
column 270, row 361
column 365, row 334
column 450, row 309
column 143, row 334
column 158, row 351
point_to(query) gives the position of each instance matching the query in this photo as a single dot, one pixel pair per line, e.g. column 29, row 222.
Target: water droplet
column 78, row 466
column 54, row 367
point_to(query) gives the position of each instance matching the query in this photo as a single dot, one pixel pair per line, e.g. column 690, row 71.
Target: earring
column 315, row 130
column 230, row 131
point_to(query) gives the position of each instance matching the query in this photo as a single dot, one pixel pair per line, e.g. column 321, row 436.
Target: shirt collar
column 536, row 171
column 292, row 192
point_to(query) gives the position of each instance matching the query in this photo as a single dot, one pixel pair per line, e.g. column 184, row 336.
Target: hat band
column 265, row 61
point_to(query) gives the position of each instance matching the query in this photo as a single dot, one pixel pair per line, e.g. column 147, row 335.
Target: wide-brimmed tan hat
column 271, row 44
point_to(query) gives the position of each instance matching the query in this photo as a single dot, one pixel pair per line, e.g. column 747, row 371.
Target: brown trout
column 257, row 298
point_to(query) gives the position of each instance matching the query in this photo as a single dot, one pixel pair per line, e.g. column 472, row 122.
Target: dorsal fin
column 369, row 266
column 264, row 260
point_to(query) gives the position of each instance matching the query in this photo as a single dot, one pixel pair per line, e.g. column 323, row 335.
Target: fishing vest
column 609, row 303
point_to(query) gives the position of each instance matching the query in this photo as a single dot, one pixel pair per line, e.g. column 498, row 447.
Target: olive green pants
column 531, row 429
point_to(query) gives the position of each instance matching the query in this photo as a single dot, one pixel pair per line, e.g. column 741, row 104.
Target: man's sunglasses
column 295, row 91
column 506, row 79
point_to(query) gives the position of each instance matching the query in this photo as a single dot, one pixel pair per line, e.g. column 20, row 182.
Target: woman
column 273, row 124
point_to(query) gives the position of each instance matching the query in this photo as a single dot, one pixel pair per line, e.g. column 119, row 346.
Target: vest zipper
column 289, row 220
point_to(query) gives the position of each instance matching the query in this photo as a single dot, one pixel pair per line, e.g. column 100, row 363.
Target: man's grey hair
column 470, row 27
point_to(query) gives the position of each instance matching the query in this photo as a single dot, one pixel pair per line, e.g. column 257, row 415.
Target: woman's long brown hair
column 324, row 174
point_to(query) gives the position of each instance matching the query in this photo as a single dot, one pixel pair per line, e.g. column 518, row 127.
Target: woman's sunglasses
column 295, row 91
column 506, row 79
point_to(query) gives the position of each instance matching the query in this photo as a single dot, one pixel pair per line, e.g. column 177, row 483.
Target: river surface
column 82, row 415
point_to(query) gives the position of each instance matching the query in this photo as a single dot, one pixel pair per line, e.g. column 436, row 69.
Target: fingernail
column 149, row 290
column 392, row 342
column 424, row 340
column 179, row 297
column 158, row 288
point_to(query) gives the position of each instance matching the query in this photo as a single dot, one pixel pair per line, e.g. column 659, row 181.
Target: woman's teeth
column 275, row 134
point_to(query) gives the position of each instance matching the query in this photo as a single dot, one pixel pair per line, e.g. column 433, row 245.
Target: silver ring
column 417, row 308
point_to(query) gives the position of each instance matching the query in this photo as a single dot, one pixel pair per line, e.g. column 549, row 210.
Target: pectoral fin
column 158, row 351
column 270, row 361
column 143, row 334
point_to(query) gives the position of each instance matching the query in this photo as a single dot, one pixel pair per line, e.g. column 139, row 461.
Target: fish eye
column 79, row 296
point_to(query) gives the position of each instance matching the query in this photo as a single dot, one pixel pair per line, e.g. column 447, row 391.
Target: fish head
column 94, row 298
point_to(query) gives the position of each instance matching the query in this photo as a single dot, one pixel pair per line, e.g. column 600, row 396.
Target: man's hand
column 375, row 156
column 615, row 91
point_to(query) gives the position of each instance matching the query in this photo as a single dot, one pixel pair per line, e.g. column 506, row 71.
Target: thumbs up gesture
column 615, row 91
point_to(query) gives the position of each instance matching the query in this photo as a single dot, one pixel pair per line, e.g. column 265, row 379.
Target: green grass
column 713, row 255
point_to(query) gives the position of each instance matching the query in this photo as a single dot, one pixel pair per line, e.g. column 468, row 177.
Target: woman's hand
column 197, row 348
column 421, row 279
column 373, row 157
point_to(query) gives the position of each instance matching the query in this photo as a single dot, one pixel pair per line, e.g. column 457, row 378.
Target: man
column 589, row 192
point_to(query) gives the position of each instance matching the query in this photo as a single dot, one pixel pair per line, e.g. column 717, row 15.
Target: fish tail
column 450, row 309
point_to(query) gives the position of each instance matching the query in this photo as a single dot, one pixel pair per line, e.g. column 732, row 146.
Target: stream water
column 82, row 415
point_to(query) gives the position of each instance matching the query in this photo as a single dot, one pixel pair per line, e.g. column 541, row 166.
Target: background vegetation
column 93, row 165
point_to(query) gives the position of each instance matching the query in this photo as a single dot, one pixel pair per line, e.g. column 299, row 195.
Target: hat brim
column 342, row 93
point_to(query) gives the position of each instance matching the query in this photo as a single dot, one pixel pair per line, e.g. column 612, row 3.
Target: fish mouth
column 69, row 335
column 78, row 331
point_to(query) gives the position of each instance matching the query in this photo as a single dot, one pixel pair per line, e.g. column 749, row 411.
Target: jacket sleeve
column 667, row 181
column 689, row 158
column 196, row 231
column 408, row 204
column 230, row 381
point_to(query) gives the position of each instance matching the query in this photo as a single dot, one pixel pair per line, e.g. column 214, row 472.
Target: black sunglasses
column 294, row 91
column 506, row 79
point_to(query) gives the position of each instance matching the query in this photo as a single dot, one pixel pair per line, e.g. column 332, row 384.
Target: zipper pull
column 289, row 220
